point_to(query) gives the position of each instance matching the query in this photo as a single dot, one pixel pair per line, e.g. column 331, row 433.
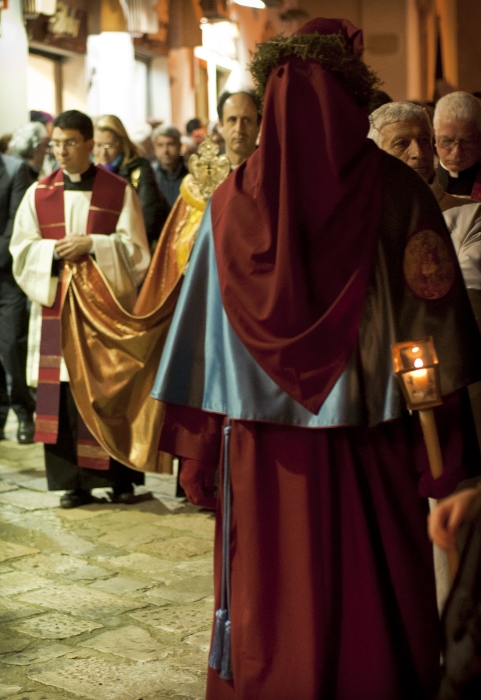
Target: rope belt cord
column 220, row 656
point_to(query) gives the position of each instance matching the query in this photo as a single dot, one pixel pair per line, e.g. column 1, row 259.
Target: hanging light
column 257, row 4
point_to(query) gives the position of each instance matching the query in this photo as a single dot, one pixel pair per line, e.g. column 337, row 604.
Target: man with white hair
column 30, row 142
column 403, row 130
column 457, row 129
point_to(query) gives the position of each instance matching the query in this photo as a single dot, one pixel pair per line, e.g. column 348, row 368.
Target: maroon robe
column 332, row 579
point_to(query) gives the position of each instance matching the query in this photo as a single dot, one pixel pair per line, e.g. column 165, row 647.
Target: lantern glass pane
column 421, row 386
column 417, row 355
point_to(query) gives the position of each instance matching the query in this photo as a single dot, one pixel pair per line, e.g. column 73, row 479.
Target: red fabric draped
column 295, row 227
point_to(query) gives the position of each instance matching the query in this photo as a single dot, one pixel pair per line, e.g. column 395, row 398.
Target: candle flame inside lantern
column 418, row 362
column 415, row 349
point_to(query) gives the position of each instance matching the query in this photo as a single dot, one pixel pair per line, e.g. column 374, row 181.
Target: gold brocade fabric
column 174, row 247
column 112, row 356
column 112, row 359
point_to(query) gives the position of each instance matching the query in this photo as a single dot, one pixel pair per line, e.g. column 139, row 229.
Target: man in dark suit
column 14, row 181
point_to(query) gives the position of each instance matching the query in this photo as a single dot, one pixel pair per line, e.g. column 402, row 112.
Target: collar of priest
column 80, row 181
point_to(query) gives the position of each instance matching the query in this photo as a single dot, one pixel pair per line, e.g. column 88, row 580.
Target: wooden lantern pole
column 414, row 359
column 431, row 438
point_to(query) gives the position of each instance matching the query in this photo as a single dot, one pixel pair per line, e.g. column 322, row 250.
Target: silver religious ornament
column 208, row 168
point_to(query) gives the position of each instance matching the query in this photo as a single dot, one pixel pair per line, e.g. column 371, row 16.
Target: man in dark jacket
column 169, row 167
column 14, row 181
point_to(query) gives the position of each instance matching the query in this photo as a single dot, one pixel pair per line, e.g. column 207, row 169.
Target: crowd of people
column 348, row 223
column 31, row 152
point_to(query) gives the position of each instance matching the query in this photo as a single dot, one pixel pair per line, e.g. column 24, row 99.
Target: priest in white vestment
column 114, row 234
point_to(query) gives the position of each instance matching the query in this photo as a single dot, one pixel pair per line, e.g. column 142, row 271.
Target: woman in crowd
column 115, row 151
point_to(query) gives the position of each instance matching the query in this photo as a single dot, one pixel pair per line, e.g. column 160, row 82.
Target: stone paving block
column 200, row 640
column 39, row 484
column 196, row 566
column 87, row 573
column 93, row 510
column 97, row 679
column 182, row 620
column 11, row 550
column 198, row 524
column 55, row 626
column 4, row 486
column 131, row 537
column 9, row 690
column 155, row 568
column 81, row 601
column 9, row 643
column 177, row 547
column 103, row 552
column 15, row 610
column 118, row 520
column 33, row 656
column 12, row 583
column 34, row 695
column 21, row 477
column 121, row 584
column 49, row 564
column 29, row 500
column 130, row 642
column 188, row 590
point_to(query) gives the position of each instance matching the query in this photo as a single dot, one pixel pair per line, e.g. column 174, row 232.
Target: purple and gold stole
column 105, row 207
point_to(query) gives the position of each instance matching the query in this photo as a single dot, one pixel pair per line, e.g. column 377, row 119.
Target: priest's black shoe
column 25, row 431
column 75, row 498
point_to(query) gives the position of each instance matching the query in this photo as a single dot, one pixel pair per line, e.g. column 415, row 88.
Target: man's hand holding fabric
column 73, row 246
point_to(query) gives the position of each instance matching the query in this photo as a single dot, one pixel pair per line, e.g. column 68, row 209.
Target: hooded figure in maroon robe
column 277, row 370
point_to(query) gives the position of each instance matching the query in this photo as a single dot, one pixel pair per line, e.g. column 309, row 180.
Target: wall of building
column 74, row 83
column 41, row 84
column 13, row 71
column 182, row 85
column 161, row 102
column 110, row 75
column 469, row 45
column 384, row 28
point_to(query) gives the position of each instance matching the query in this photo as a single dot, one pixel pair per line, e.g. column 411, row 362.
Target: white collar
column 73, row 177
column 451, row 173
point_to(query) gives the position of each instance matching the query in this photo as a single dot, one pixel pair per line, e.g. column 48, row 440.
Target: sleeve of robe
column 192, row 433
column 123, row 256
column 127, row 248
column 464, row 224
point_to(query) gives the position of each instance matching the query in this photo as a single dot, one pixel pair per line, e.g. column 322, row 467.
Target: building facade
column 170, row 60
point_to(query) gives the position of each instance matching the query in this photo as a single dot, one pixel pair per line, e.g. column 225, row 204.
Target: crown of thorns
column 332, row 51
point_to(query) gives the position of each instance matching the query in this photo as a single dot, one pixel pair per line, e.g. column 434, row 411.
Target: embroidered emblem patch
column 429, row 266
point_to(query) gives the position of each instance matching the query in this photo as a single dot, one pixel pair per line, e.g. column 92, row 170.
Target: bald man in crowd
column 457, row 128
column 240, row 122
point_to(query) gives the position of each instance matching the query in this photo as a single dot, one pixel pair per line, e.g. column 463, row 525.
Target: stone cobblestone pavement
column 102, row 602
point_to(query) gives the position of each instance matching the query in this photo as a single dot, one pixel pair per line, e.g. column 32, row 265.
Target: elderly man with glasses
column 457, row 130
column 77, row 212
column 403, row 129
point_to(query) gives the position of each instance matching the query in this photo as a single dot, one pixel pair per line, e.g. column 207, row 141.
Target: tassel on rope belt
column 220, row 656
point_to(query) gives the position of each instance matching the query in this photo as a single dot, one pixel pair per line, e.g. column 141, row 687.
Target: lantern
column 417, row 369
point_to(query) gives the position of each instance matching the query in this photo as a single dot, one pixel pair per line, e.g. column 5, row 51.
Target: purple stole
column 476, row 191
column 105, row 207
